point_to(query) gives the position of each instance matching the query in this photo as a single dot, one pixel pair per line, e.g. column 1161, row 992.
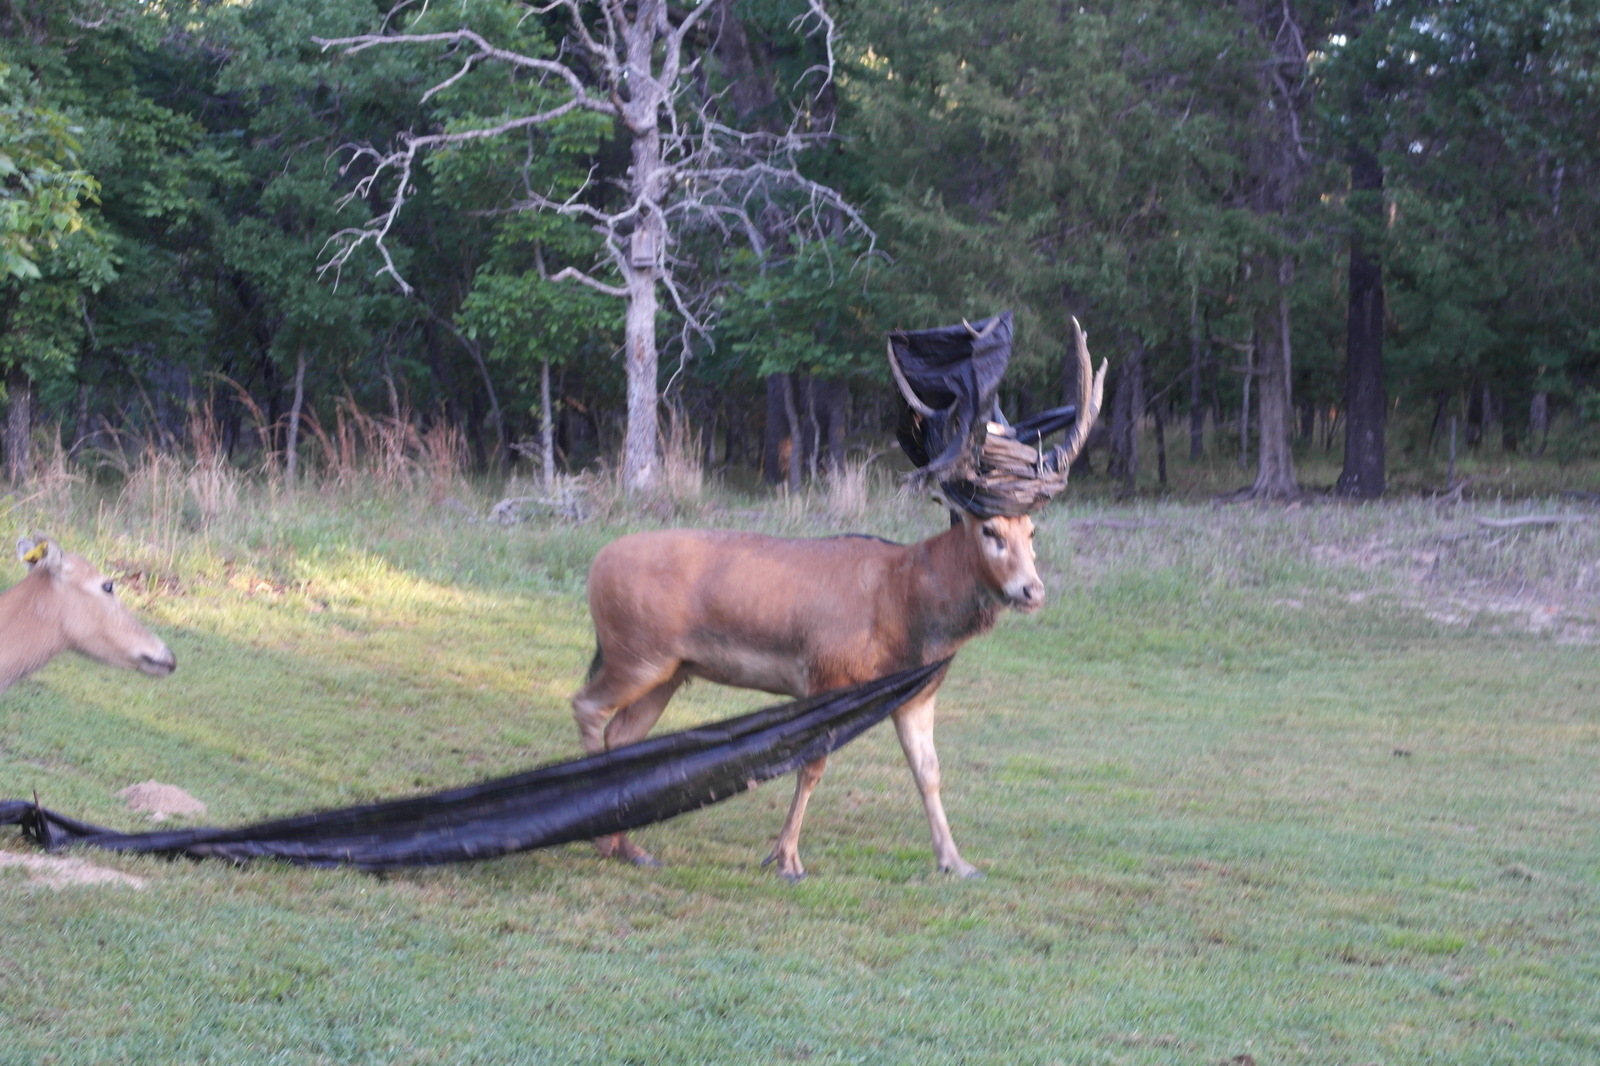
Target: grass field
column 1307, row 785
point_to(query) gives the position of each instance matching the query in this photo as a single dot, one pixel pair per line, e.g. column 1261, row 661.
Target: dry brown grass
column 848, row 492
column 212, row 482
column 388, row 452
column 54, row 479
column 1416, row 555
column 683, row 469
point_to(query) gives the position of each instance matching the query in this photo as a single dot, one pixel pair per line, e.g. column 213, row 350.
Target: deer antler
column 979, row 337
column 1091, row 390
column 905, row 386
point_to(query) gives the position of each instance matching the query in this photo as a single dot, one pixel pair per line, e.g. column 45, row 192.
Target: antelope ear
column 36, row 553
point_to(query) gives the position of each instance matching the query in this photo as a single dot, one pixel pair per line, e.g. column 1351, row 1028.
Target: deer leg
column 629, row 726
column 786, row 849
column 617, row 708
column 607, row 692
column 913, row 723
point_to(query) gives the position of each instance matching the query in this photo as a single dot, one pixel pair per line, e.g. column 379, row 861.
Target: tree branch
column 574, row 274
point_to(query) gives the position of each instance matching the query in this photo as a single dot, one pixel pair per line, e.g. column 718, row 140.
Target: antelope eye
column 992, row 533
column 107, row 588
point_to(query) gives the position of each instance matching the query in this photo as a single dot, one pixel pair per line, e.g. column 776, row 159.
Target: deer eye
column 108, row 587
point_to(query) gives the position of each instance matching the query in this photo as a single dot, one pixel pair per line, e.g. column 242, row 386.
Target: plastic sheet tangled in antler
column 952, row 429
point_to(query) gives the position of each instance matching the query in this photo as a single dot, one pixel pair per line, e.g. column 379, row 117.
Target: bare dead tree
column 635, row 62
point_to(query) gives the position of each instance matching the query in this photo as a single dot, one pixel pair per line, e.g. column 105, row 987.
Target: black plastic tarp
column 955, row 371
column 954, row 374
column 656, row 779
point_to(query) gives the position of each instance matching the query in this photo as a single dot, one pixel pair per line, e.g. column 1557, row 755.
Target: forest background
column 1331, row 226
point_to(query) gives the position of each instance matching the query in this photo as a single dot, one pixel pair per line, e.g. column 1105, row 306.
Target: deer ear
column 36, row 553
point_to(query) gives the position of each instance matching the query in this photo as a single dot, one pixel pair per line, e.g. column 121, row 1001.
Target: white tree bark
column 547, row 429
column 1275, row 473
column 292, row 451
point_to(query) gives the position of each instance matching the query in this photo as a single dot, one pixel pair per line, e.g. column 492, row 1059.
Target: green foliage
column 44, row 194
column 52, row 253
column 1489, row 161
column 809, row 312
column 1057, row 162
column 524, row 319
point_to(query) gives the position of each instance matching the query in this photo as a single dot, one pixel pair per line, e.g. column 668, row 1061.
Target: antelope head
column 1004, row 546
column 80, row 604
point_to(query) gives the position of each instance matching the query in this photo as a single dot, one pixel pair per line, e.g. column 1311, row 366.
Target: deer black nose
column 159, row 665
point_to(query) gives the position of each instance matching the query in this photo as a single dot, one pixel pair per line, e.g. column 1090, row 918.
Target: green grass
column 1306, row 785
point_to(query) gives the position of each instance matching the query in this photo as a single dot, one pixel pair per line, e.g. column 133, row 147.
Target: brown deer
column 797, row 617
column 65, row 604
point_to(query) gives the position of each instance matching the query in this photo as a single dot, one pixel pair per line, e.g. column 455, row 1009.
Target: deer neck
column 28, row 639
column 950, row 602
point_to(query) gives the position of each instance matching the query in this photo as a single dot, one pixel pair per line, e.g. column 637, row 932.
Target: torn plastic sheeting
column 648, row 782
column 951, row 426
column 955, row 371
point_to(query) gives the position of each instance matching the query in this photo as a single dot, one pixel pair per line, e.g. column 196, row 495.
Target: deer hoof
column 618, row 846
column 631, row 852
column 793, row 873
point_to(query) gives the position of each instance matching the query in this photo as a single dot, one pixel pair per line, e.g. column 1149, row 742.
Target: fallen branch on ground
column 1545, row 520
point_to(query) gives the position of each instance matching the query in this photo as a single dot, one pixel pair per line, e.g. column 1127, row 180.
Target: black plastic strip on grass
column 651, row 781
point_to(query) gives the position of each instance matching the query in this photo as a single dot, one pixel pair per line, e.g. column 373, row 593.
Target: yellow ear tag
column 38, row 552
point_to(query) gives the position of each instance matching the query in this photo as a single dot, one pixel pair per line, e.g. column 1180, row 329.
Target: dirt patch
column 1550, row 607
column 1525, row 613
column 1416, row 565
column 159, row 800
column 61, row 871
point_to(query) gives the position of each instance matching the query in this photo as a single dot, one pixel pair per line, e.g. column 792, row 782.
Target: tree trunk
column 1275, row 476
column 640, row 467
column 792, row 416
column 1277, row 166
column 292, row 450
column 547, row 438
column 80, row 428
column 812, row 426
column 1127, row 408
column 1244, row 404
column 388, row 381
column 733, row 431
column 837, row 405
column 1364, row 402
column 1441, row 408
column 1161, row 447
column 647, row 188
column 497, row 421
column 1197, row 410
column 19, row 425
column 773, row 457
column 271, row 433
column 1539, row 421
